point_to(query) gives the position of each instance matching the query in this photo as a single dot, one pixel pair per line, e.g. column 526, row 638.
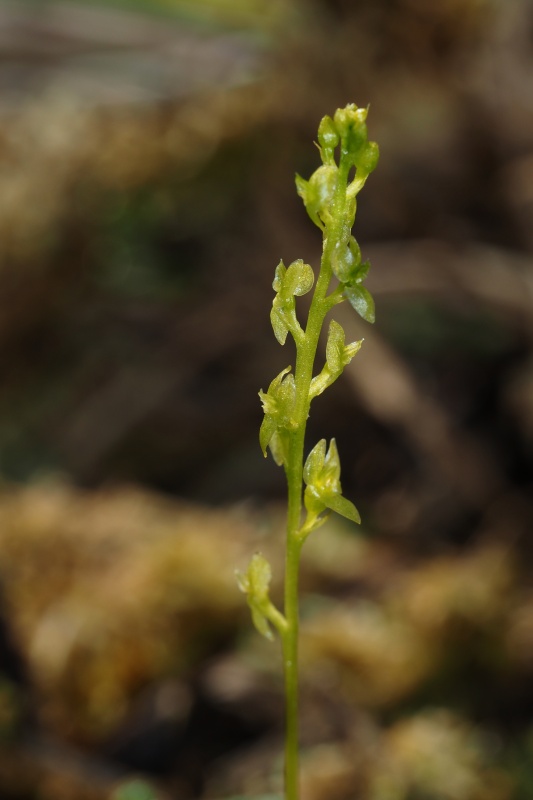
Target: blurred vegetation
column 147, row 153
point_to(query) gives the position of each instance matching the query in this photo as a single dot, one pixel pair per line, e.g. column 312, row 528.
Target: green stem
column 306, row 347
column 290, row 640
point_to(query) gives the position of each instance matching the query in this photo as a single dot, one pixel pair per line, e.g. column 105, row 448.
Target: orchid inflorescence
column 330, row 197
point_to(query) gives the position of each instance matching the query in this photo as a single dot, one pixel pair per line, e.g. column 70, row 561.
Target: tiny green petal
column 302, row 187
column 266, row 432
column 315, row 463
column 335, row 347
column 279, row 326
column 342, row 506
column 331, row 472
column 351, row 350
column 274, row 386
column 279, row 447
column 287, row 399
column 269, row 402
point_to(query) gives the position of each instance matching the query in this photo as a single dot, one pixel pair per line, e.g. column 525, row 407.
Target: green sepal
column 335, row 347
column 286, row 395
column 279, row 326
column 314, row 462
column 341, row 505
column 318, row 193
column 355, row 252
column 267, row 430
column 302, row 190
column 279, row 446
column 367, row 158
column 361, row 301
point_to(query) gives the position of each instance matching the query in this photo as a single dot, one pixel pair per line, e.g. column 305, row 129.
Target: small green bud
column 279, row 446
column 350, row 123
column 328, row 135
column 351, row 116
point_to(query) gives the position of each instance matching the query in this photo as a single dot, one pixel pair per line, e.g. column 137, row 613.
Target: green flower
column 322, row 472
column 338, row 356
column 297, row 280
column 278, row 405
column 255, row 584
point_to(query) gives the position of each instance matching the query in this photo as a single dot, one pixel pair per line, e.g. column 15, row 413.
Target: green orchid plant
column 330, row 197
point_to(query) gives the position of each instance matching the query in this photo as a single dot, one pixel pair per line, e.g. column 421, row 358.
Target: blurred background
column 147, row 159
